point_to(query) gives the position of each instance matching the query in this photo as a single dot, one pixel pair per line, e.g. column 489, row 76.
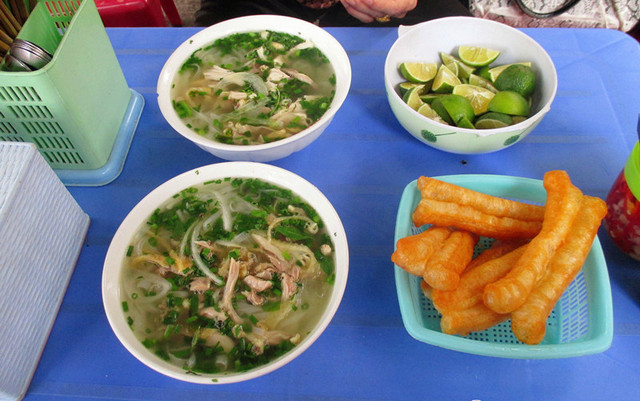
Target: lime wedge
column 412, row 97
column 439, row 108
column 495, row 72
column 427, row 111
column 490, row 124
column 453, row 67
column 492, row 120
column 464, row 123
column 483, row 72
column 518, row 119
column 418, row 72
column 405, row 86
column 458, row 108
column 445, row 80
column 477, row 56
column 481, row 82
column 478, row 97
column 509, row 102
column 429, row 97
column 462, row 70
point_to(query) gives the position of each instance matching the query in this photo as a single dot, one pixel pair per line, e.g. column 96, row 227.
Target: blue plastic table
column 362, row 163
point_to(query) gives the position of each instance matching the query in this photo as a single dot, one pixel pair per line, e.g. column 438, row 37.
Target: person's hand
column 369, row 10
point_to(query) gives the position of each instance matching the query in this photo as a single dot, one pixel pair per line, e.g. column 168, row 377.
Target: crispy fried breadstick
column 443, row 270
column 529, row 322
column 563, row 203
column 472, row 282
column 413, row 252
column 426, row 289
column 497, row 249
column 466, row 218
column 431, row 188
column 475, row 318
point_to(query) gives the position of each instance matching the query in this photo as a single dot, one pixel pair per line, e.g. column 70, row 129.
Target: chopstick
column 13, row 14
column 11, row 19
column 22, row 10
column 4, row 38
column 14, row 7
column 6, row 22
column 4, row 48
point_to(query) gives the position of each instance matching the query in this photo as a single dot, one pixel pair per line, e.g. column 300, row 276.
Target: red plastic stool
column 138, row 13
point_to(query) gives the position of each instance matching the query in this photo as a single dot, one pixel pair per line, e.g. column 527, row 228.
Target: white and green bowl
column 425, row 41
column 265, row 152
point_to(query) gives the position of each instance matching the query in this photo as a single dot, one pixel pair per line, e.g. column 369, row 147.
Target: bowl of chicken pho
column 254, row 88
column 225, row 273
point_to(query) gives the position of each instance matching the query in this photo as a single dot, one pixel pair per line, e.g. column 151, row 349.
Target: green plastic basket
column 580, row 324
column 77, row 109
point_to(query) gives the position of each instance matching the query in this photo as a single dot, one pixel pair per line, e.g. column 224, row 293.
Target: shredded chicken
column 257, row 284
column 211, row 313
column 216, row 73
column 174, row 263
column 261, row 337
column 229, row 287
column 254, row 298
column 200, row 284
column 214, row 338
column 277, row 75
column 273, row 253
column 289, row 286
column 299, row 76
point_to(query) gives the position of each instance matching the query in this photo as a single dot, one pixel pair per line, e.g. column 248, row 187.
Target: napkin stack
column 42, row 230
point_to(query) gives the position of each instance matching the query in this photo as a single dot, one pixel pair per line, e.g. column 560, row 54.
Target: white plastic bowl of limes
column 453, row 103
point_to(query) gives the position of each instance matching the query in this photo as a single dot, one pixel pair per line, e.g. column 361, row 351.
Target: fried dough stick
column 529, row 322
column 563, row 203
column 426, row 290
column 497, row 249
column 469, row 291
column 443, row 269
column 475, row 318
column 413, row 252
column 467, row 218
column 431, row 188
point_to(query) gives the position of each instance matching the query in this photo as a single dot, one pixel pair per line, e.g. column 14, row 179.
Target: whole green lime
column 511, row 103
column 517, row 78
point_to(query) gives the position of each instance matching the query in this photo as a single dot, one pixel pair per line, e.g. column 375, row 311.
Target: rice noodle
column 150, row 283
column 226, row 212
column 204, row 307
column 195, row 254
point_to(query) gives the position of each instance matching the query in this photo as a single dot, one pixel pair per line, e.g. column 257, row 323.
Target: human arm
column 369, row 10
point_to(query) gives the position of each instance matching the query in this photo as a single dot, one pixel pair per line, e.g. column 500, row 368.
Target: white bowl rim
column 120, row 242
column 252, row 23
column 405, row 29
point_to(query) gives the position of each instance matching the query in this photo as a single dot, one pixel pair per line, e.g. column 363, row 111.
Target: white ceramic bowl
column 111, row 275
column 269, row 151
column 425, row 41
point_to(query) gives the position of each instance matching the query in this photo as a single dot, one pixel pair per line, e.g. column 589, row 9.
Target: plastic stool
column 171, row 11
column 138, row 13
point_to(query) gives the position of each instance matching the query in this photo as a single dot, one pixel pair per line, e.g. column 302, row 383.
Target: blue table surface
column 362, row 163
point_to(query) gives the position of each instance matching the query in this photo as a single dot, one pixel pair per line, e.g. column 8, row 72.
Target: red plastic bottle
column 623, row 218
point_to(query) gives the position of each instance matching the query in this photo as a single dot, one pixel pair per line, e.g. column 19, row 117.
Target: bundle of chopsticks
column 13, row 14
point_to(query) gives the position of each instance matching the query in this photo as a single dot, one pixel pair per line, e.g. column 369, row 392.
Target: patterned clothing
column 318, row 3
column 322, row 12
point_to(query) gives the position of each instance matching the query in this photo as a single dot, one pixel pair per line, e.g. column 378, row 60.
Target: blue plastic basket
column 580, row 324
